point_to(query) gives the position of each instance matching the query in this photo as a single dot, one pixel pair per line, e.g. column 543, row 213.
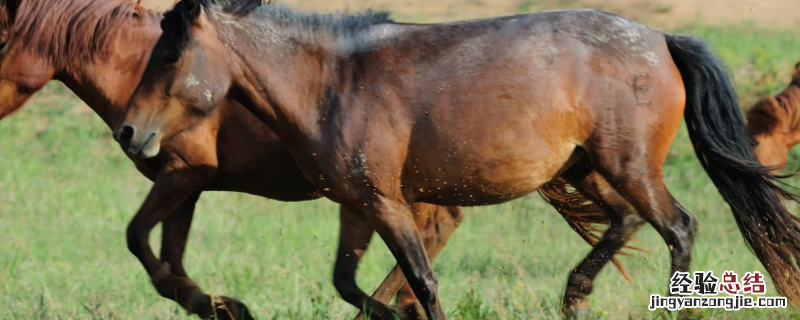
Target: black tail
column 717, row 130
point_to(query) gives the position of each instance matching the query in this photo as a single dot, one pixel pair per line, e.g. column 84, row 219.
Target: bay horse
column 103, row 69
column 480, row 112
column 99, row 50
column 774, row 124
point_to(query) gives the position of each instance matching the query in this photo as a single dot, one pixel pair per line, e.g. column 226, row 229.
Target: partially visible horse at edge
column 99, row 49
column 774, row 124
column 480, row 112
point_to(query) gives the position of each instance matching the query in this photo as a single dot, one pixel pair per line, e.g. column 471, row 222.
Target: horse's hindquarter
column 499, row 105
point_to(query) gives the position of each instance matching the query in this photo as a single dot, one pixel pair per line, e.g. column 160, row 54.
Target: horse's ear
column 193, row 7
column 796, row 75
column 8, row 15
column 139, row 10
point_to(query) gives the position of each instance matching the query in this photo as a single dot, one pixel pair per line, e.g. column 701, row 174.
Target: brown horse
column 103, row 69
column 774, row 123
column 109, row 43
column 381, row 115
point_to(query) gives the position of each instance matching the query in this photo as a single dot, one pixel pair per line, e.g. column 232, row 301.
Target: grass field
column 67, row 193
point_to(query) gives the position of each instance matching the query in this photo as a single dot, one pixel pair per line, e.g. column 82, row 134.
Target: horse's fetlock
column 579, row 284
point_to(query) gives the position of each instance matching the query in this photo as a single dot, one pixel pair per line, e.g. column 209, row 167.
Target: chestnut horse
column 382, row 115
column 774, row 123
column 110, row 42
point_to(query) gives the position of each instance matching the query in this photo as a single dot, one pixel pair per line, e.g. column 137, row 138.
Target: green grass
column 67, row 193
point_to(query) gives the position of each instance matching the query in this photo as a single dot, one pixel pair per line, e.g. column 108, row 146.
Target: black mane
column 177, row 22
column 335, row 22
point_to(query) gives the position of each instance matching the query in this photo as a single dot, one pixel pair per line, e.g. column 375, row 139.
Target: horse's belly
column 487, row 177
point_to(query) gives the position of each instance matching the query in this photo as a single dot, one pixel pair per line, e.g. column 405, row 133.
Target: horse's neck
column 286, row 105
column 106, row 84
column 301, row 82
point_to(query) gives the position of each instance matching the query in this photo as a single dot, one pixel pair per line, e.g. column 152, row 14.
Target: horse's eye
column 2, row 45
column 171, row 58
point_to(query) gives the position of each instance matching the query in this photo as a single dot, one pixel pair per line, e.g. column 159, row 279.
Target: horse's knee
column 429, row 286
column 684, row 233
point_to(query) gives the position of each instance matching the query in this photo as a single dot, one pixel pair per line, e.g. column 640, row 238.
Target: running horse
column 774, row 124
column 99, row 49
column 480, row 112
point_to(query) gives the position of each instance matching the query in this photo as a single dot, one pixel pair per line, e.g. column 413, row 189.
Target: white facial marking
column 191, row 81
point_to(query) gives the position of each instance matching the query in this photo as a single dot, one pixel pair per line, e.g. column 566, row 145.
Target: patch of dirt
column 656, row 13
column 161, row 5
column 779, row 14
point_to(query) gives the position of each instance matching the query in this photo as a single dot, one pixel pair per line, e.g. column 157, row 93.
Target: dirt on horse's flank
column 655, row 13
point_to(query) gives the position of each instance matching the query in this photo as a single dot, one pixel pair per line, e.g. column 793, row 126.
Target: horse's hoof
column 221, row 308
column 181, row 289
column 231, row 309
column 576, row 314
column 575, row 309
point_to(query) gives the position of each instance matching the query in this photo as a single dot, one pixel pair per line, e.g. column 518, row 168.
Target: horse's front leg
column 171, row 190
column 171, row 280
column 172, row 200
column 436, row 224
column 355, row 234
column 394, row 221
column 436, row 230
column 173, row 277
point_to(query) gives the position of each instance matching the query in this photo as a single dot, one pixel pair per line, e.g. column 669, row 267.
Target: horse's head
column 769, row 124
column 186, row 79
column 771, row 134
column 22, row 70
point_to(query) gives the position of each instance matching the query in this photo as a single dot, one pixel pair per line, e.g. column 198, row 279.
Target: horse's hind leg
column 632, row 163
column 624, row 222
column 648, row 194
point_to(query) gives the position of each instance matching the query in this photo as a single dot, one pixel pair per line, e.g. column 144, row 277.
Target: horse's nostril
column 125, row 134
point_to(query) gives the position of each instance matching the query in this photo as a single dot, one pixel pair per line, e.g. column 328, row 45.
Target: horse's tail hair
column 717, row 131
column 582, row 215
